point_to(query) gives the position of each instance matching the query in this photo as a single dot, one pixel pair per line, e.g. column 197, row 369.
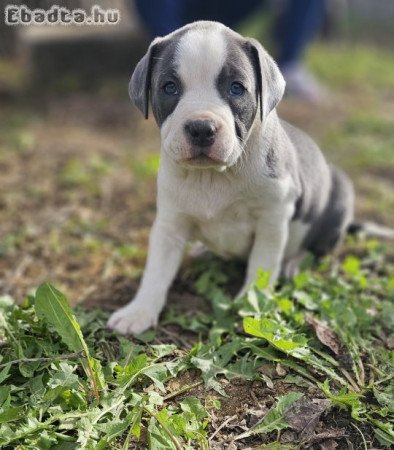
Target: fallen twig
column 227, row 421
column 182, row 390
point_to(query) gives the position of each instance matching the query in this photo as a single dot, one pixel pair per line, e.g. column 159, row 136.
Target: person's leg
column 294, row 30
column 296, row 27
column 230, row 13
column 160, row 17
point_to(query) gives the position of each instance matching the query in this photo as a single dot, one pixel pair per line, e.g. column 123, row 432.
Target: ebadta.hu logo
column 60, row 15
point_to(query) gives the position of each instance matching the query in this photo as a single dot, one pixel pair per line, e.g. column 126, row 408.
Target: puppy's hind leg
column 331, row 227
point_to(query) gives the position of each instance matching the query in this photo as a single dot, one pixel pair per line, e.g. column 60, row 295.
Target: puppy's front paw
column 134, row 318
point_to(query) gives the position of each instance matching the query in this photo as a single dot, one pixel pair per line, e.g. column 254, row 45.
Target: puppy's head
column 207, row 86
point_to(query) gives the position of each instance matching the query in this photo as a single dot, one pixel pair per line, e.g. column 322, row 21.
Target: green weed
column 67, row 382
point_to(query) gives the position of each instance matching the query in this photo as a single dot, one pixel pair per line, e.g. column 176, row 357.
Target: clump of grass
column 67, row 382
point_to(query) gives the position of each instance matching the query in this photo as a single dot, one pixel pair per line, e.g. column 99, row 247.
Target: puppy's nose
column 201, row 132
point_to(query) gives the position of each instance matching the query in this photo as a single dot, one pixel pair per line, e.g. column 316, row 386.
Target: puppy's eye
column 171, row 88
column 237, row 89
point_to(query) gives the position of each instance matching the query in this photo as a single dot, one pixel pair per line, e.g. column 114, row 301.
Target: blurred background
column 78, row 161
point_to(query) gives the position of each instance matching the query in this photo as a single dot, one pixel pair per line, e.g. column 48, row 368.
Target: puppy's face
column 205, row 84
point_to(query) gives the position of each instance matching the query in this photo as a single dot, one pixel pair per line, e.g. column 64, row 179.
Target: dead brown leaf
column 304, row 415
column 325, row 335
column 333, row 433
column 329, row 444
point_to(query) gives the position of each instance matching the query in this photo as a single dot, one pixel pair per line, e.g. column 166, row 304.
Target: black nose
column 201, row 132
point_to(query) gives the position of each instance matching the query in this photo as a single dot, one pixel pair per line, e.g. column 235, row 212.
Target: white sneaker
column 301, row 83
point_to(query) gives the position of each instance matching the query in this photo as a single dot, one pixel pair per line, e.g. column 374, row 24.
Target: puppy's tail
column 371, row 229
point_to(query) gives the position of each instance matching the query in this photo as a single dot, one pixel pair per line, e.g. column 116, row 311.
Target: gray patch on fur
column 238, row 68
column 325, row 198
column 312, row 174
column 271, row 161
column 148, row 78
column 165, row 70
column 328, row 231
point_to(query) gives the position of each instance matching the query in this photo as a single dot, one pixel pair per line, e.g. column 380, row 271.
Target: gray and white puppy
column 233, row 175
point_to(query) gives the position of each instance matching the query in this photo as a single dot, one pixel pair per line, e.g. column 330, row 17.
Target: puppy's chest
column 228, row 233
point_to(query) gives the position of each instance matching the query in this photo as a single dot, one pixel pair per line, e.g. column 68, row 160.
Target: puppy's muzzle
column 203, row 142
column 201, row 133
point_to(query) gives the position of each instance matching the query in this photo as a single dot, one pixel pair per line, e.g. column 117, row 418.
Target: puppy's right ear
column 140, row 82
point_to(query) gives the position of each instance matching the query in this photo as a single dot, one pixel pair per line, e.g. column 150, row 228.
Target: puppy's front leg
column 268, row 249
column 166, row 246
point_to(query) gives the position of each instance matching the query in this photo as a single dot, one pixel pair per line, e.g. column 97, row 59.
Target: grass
column 328, row 331
column 304, row 366
column 351, row 66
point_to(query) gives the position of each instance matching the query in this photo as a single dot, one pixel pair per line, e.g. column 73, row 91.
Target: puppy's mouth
column 203, row 162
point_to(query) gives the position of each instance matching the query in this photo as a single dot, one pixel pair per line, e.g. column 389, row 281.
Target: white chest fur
column 223, row 209
column 230, row 233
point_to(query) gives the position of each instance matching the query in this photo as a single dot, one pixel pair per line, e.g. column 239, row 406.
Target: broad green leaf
column 262, row 279
column 193, row 406
column 64, row 376
column 157, row 373
column 51, row 306
column 274, row 420
column 155, row 399
column 162, row 350
column 270, row 331
column 157, row 438
column 130, row 372
column 5, row 397
column 385, row 435
column 10, row 414
column 286, row 305
column 211, row 367
column 351, row 265
column 181, row 424
column 112, row 429
column 4, row 373
column 305, row 299
column 135, row 421
column 385, row 397
column 345, row 399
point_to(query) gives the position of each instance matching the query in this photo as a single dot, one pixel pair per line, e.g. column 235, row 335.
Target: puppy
column 233, row 175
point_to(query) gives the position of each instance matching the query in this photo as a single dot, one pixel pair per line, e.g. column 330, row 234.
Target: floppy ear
column 270, row 82
column 140, row 82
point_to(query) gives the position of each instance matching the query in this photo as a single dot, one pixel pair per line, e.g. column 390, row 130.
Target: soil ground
column 77, row 194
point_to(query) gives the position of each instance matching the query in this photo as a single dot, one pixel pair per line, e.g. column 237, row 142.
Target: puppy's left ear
column 270, row 82
column 140, row 82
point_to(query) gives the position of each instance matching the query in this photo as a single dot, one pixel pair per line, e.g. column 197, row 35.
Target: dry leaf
column 333, row 433
column 330, row 444
column 325, row 335
column 304, row 415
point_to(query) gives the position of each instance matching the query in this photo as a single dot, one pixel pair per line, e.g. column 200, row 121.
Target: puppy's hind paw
column 133, row 319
